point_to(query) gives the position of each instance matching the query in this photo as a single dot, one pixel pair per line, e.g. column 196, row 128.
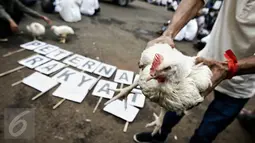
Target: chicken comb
column 156, row 61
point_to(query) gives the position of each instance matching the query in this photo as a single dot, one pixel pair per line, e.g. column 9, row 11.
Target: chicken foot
column 157, row 123
column 123, row 93
column 63, row 38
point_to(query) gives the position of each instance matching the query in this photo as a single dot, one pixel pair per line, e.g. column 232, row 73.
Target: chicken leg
column 157, row 122
column 63, row 38
column 123, row 92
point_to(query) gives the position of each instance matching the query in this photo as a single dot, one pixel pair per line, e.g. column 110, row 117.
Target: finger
column 151, row 124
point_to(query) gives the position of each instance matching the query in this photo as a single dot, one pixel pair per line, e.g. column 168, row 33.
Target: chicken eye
column 167, row 68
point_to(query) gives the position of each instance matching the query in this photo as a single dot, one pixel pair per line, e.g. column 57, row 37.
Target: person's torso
column 234, row 29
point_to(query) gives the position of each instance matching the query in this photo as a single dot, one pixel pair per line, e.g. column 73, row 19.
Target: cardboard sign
column 123, row 76
column 59, row 54
column 117, row 108
column 104, row 89
column 50, row 67
column 40, row 82
column 83, row 80
column 75, row 60
column 105, row 70
column 137, row 76
column 90, row 65
column 46, row 49
column 67, row 75
column 136, row 98
column 70, row 92
column 75, row 78
column 34, row 61
column 32, row 45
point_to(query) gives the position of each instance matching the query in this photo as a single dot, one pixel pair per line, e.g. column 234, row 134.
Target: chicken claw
column 123, row 93
column 157, row 122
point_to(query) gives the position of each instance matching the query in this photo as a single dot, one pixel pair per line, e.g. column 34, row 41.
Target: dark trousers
column 220, row 113
column 5, row 29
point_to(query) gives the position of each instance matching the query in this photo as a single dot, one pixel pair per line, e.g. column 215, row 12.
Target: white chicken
column 62, row 32
column 170, row 79
column 36, row 29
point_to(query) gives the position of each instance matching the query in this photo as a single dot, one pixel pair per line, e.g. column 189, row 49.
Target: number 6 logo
column 17, row 121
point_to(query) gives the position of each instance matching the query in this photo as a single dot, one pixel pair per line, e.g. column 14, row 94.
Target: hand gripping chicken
column 170, row 79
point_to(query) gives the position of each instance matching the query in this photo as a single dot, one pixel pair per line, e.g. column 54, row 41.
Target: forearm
column 4, row 15
column 28, row 10
column 246, row 66
column 185, row 12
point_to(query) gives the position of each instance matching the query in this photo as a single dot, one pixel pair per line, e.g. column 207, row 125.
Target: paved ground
column 117, row 36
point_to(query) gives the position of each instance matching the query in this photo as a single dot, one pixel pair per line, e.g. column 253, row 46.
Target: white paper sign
column 137, row 78
column 123, row 76
column 136, row 98
column 90, row 65
column 46, row 49
column 83, row 80
column 59, row 54
column 34, row 61
column 40, row 82
column 104, row 89
column 67, row 75
column 75, row 60
column 105, row 70
column 69, row 92
column 32, row 45
column 50, row 67
column 117, row 108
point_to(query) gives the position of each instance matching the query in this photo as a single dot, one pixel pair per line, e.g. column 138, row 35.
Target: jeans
column 220, row 113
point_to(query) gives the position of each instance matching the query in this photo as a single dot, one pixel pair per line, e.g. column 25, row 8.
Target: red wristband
column 232, row 63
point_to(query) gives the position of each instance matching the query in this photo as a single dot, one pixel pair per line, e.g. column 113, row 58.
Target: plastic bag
column 70, row 10
column 89, row 7
column 191, row 30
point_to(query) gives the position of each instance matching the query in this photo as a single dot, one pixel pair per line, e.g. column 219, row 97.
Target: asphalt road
column 117, row 36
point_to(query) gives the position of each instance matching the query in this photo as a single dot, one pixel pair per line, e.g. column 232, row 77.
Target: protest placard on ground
column 105, row 89
column 59, row 54
column 32, row 45
column 75, row 60
column 117, row 108
column 71, row 92
column 89, row 65
column 34, row 61
column 124, row 77
column 40, row 82
column 105, row 70
column 136, row 98
column 50, row 67
column 46, row 49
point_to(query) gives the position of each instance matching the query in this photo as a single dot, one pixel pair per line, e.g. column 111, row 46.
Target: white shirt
column 234, row 29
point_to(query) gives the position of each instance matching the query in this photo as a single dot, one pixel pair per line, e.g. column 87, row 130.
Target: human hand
column 14, row 27
column 46, row 19
column 162, row 39
column 219, row 70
